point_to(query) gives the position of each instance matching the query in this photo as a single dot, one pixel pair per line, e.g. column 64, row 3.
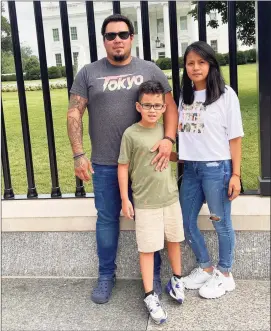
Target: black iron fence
column 263, row 10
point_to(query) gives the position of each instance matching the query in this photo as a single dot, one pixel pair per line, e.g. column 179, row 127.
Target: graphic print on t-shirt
column 113, row 83
column 192, row 117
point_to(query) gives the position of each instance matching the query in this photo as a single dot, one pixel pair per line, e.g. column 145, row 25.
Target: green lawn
column 248, row 100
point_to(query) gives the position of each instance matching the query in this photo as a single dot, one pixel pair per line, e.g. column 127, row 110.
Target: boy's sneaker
column 217, row 285
column 102, row 292
column 196, row 279
column 157, row 313
column 175, row 289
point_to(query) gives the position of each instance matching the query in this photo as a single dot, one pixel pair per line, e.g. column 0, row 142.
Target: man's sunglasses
column 112, row 35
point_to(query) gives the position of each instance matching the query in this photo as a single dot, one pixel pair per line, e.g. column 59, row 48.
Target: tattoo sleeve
column 75, row 114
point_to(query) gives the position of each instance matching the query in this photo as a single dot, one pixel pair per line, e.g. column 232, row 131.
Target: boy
column 155, row 194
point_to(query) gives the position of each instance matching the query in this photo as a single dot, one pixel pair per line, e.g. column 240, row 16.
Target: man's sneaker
column 103, row 291
column 157, row 313
column 217, row 285
column 175, row 289
column 157, row 285
column 196, row 279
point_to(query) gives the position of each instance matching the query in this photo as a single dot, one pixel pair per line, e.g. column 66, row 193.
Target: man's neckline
column 119, row 66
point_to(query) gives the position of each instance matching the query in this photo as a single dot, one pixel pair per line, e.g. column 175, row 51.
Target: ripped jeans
column 208, row 181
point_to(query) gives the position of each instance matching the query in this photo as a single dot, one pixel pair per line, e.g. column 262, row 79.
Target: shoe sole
column 194, row 287
column 217, row 296
column 169, row 289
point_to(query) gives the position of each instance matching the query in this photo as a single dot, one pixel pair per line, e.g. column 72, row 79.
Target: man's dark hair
column 150, row 87
column 215, row 85
column 117, row 18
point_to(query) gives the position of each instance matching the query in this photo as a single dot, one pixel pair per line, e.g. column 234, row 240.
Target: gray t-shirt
column 112, row 92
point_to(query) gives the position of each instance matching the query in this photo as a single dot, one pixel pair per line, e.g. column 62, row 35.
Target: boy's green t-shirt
column 151, row 189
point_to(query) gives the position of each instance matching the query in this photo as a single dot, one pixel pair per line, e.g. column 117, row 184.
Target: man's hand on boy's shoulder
column 162, row 158
column 128, row 209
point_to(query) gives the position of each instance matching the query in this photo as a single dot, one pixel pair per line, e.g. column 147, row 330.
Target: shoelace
column 153, row 304
column 194, row 272
column 213, row 279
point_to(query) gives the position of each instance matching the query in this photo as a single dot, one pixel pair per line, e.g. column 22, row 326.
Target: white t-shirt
column 205, row 131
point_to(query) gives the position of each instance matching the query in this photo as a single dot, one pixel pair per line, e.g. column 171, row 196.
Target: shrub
column 251, row 55
column 63, row 71
column 241, row 57
column 8, row 78
column 220, row 59
column 181, row 63
column 54, row 72
column 226, row 58
column 33, row 73
column 164, row 63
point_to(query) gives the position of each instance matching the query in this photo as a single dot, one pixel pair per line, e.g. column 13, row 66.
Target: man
column 109, row 89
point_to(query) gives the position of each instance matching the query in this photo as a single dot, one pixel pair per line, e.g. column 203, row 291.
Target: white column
column 139, row 36
column 166, row 30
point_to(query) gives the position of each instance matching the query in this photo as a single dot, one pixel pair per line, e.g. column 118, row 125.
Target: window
column 161, row 55
column 58, row 60
column 183, row 47
column 75, row 58
column 135, row 27
column 73, row 33
column 55, row 35
column 160, row 25
column 137, row 51
column 212, row 16
column 214, row 45
column 183, row 23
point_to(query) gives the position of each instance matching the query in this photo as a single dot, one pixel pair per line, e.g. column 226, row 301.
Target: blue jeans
column 108, row 205
column 208, row 181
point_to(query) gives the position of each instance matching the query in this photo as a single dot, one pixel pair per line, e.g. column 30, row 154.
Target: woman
column 210, row 145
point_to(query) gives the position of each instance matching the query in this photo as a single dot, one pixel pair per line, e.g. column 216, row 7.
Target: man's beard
column 122, row 57
column 118, row 58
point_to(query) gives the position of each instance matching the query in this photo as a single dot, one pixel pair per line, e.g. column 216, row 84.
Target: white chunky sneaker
column 217, row 286
column 157, row 313
column 175, row 289
column 196, row 279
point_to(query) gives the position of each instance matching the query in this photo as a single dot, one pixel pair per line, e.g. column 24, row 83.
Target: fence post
column 31, row 192
column 8, row 191
column 263, row 27
column 55, row 192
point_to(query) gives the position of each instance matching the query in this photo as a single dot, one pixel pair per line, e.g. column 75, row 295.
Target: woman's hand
column 234, row 187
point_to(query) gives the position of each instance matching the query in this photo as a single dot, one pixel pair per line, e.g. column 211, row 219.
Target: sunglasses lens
column 110, row 36
column 124, row 35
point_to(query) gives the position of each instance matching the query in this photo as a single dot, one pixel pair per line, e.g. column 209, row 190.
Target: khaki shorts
column 154, row 226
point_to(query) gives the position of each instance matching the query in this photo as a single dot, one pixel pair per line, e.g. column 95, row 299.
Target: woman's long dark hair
column 215, row 85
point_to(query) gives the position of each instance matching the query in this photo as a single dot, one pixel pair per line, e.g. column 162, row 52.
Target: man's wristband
column 170, row 139
column 78, row 155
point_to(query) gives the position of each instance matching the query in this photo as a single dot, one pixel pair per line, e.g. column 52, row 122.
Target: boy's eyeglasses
column 113, row 35
column 148, row 106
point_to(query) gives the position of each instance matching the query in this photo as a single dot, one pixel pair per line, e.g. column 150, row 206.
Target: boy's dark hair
column 215, row 85
column 150, row 87
column 118, row 18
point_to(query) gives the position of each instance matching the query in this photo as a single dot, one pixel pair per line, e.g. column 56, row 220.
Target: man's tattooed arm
column 75, row 114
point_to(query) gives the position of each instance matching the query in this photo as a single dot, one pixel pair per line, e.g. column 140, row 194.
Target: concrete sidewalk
column 64, row 304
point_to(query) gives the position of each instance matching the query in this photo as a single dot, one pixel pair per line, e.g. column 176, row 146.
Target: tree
column 245, row 18
column 7, row 63
column 6, row 42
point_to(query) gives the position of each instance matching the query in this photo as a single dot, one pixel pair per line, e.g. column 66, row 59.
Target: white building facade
column 159, row 30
